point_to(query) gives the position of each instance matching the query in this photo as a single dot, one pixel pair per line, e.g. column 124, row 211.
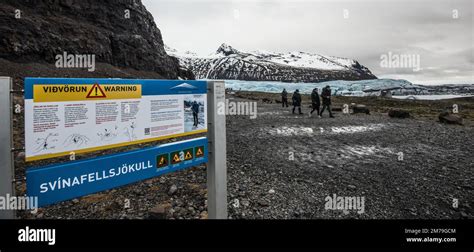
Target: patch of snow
column 291, row 131
column 430, row 97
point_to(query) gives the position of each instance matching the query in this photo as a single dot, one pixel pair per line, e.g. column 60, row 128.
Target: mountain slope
column 230, row 63
column 49, row 28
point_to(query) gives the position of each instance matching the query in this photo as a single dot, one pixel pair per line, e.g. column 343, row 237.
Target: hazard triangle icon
column 96, row 92
column 162, row 160
column 176, row 158
column 200, row 151
column 189, row 154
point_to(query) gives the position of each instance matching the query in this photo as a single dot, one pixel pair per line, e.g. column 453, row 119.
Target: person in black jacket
column 315, row 102
column 296, row 101
column 284, row 98
column 195, row 109
column 326, row 95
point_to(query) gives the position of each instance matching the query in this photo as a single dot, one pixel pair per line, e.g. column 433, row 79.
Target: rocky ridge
column 121, row 33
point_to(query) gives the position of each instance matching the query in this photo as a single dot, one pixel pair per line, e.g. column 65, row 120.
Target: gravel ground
column 350, row 155
column 283, row 166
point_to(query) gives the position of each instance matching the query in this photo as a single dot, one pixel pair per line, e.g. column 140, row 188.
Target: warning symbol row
column 177, row 157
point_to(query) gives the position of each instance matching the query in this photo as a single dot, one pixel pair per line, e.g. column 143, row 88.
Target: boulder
column 450, row 118
column 359, row 108
column 386, row 93
column 398, row 113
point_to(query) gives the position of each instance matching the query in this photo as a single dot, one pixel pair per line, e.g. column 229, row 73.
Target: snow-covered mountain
column 232, row 64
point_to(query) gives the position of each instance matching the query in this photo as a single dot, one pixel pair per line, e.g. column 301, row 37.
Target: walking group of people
column 315, row 101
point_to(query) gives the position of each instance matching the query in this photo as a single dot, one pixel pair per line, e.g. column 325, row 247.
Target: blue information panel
column 55, row 183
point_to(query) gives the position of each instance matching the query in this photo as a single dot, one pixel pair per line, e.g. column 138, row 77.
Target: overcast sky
column 371, row 29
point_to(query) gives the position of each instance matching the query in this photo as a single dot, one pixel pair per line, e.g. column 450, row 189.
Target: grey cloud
column 373, row 28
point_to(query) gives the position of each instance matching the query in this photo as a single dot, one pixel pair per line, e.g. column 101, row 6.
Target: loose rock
column 448, row 118
column 172, row 190
column 398, row 113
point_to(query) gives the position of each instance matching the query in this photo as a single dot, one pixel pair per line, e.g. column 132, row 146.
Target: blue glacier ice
column 338, row 87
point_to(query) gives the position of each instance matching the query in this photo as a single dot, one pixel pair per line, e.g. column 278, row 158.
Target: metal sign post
column 217, row 164
column 6, row 162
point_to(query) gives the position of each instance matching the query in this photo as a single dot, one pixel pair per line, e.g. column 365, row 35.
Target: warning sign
column 199, row 151
column 83, row 92
column 84, row 115
column 162, row 160
column 96, row 92
column 188, row 154
column 175, row 159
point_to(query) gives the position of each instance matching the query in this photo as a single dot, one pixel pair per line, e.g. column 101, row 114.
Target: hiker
column 326, row 95
column 315, row 102
column 195, row 109
column 296, row 101
column 284, row 98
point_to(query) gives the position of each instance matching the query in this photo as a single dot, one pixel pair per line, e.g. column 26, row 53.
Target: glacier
column 339, row 87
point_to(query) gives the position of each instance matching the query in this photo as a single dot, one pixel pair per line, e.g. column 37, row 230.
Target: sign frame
column 217, row 165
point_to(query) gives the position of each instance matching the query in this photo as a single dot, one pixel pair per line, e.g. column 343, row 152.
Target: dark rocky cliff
column 51, row 27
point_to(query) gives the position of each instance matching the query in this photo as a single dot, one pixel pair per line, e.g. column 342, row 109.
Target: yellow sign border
column 111, row 146
column 40, row 96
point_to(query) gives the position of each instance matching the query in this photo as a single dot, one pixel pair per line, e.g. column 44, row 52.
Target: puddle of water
column 292, row 131
column 359, row 151
column 269, row 113
column 308, row 131
column 356, row 129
